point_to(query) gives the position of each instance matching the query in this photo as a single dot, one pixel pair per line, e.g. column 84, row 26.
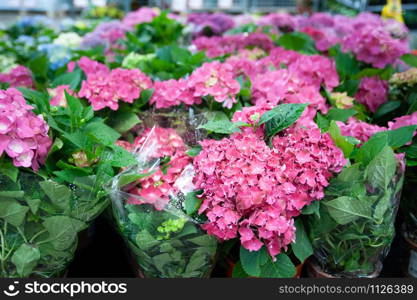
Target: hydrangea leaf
column 238, row 271
column 282, row 267
column 302, row 247
column 192, row 202
column 73, row 79
column 410, row 59
column 281, row 117
column 340, row 140
column 63, row 231
column 338, row 114
column 59, row 194
column 252, row 261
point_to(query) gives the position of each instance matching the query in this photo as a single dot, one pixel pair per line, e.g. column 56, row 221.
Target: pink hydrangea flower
column 253, row 191
column 375, row 45
column 23, row 135
column 217, row 80
column 358, row 129
column 142, row 15
column 19, row 76
column 58, row 95
column 157, row 188
column 403, row 121
column 105, row 88
column 372, row 92
column 172, row 93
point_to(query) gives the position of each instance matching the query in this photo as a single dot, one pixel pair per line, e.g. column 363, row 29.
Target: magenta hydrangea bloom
column 172, row 93
column 19, row 76
column 23, row 135
column 372, row 92
column 375, row 45
column 403, row 121
column 253, row 191
column 282, row 21
column 217, row 80
column 156, row 188
column 105, row 88
column 358, row 129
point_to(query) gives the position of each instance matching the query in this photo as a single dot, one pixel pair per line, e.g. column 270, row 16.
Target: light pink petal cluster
column 253, row 191
column 217, row 80
column 23, row 135
column 105, row 88
column 19, row 76
column 358, row 129
column 229, row 44
column 407, row 120
column 156, row 188
column 142, row 15
column 172, row 93
column 58, row 95
column 372, row 92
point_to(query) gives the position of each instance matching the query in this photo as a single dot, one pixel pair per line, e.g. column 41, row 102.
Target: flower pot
column 352, row 234
column 411, row 257
column 314, row 270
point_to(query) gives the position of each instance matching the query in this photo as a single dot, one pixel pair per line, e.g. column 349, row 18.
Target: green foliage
column 298, row 41
column 166, row 245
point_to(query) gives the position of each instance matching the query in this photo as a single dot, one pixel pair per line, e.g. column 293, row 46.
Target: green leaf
column 386, row 108
column 346, row 64
column 126, row 179
column 59, row 194
column 119, row 157
column 33, row 204
column 384, row 203
column 410, row 60
column 298, row 41
column 302, row 247
column 102, row 133
column 338, row 114
column 40, row 100
column 282, row 267
column 39, row 65
column 238, row 271
column 8, row 169
column 193, row 152
column 252, row 261
column 74, row 108
column 63, row 231
column 12, row 212
column 340, row 141
column 12, row 194
column 322, row 122
column 123, row 121
column 145, row 240
column 72, row 79
column 25, row 259
column 218, row 122
column 192, row 202
column 281, row 117
column 347, row 209
column 381, row 169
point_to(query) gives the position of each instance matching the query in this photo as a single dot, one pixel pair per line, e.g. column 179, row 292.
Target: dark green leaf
column 338, row 114
column 25, row 259
column 302, row 247
column 410, row 60
column 192, row 202
column 252, row 261
column 282, row 267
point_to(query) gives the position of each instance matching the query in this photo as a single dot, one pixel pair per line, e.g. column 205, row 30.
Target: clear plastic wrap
column 154, row 202
column 40, row 220
column 353, row 228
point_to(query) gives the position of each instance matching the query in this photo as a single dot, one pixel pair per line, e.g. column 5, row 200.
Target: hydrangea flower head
column 217, row 80
column 172, row 93
column 358, row 129
column 23, row 135
column 372, row 92
column 19, row 76
column 253, row 191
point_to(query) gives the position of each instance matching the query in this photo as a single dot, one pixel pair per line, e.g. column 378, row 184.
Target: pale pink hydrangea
column 217, row 80
column 372, row 92
column 23, row 135
column 58, row 95
column 89, row 66
column 358, row 129
column 229, row 44
column 253, row 191
column 156, row 188
column 19, row 76
column 172, row 93
column 142, row 15
column 105, row 88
